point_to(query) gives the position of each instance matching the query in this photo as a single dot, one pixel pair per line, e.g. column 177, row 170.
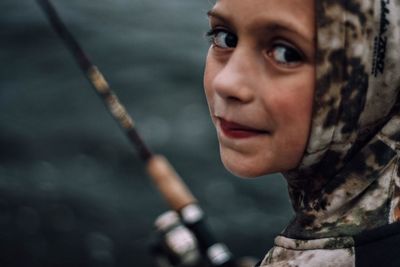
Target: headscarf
column 349, row 177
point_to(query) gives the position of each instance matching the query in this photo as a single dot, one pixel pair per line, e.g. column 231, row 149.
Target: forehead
column 296, row 15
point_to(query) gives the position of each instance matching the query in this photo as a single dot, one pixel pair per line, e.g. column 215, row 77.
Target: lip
column 238, row 131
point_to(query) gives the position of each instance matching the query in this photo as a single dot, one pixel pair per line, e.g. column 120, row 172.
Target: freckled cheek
column 291, row 108
column 290, row 132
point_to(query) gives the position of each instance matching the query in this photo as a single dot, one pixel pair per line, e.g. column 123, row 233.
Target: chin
column 243, row 166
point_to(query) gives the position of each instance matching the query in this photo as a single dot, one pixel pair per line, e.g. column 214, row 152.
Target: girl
column 311, row 89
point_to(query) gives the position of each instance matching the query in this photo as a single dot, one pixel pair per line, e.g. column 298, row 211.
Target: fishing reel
column 175, row 244
column 178, row 244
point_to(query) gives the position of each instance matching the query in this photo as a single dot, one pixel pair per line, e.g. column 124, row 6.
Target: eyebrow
column 270, row 26
column 213, row 13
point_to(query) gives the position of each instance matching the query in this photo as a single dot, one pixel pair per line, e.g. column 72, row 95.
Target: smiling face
column 259, row 82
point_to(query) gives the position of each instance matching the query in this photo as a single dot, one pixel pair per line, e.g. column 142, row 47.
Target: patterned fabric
column 349, row 178
column 327, row 252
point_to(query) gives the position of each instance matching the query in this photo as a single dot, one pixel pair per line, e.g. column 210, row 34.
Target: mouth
column 239, row 131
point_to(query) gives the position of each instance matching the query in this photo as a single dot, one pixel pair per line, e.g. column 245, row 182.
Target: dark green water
column 72, row 190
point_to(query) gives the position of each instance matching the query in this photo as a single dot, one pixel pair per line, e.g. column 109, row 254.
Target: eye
column 286, row 55
column 222, row 38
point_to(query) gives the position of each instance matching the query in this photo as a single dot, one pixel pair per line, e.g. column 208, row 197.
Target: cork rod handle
column 168, row 182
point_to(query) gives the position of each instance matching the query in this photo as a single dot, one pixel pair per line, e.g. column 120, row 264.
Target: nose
column 236, row 80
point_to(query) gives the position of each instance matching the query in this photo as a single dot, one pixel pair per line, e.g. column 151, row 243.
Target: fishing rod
column 165, row 178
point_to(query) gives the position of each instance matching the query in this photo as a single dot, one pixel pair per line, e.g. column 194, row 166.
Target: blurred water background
column 72, row 190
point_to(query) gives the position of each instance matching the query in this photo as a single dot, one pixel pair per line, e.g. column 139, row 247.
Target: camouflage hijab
column 349, row 178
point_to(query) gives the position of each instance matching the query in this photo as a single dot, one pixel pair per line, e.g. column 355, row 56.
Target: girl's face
column 259, row 82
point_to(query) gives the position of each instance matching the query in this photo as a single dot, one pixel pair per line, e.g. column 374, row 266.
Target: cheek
column 291, row 109
column 292, row 101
